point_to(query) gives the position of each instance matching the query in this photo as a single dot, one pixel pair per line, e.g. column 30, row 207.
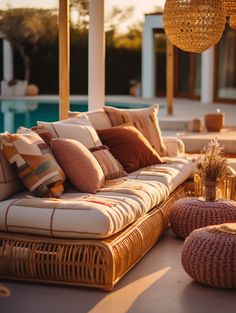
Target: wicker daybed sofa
column 89, row 239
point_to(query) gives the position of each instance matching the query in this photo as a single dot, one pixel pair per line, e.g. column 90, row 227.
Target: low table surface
column 194, row 141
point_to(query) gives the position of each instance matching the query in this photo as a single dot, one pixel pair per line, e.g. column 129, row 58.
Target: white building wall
column 148, row 62
column 207, row 76
column 148, row 55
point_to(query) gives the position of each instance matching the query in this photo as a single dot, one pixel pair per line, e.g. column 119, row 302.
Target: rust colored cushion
column 145, row 120
column 129, row 147
column 78, row 163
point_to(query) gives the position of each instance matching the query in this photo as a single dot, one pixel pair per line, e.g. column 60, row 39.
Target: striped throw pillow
column 111, row 167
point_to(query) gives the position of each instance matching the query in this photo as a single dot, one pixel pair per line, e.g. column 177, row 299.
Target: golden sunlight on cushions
column 145, row 120
column 33, row 162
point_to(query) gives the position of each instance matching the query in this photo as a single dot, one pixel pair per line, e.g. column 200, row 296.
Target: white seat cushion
column 81, row 215
column 172, row 173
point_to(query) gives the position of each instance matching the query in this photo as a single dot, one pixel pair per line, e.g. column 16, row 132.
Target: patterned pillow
column 80, row 166
column 77, row 128
column 145, row 120
column 9, row 182
column 111, row 167
column 33, row 162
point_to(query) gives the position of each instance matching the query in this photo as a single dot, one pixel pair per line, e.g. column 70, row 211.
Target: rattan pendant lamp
column 194, row 25
column 230, row 10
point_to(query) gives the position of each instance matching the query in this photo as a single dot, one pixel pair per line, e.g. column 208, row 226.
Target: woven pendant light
column 230, row 10
column 194, row 25
column 232, row 21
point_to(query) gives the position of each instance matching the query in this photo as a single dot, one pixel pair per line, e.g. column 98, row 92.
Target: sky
column 141, row 6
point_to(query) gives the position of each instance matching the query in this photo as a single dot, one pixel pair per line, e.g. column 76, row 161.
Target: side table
column 191, row 213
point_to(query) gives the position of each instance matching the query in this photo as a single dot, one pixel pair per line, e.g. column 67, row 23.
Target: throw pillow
column 98, row 118
column 80, row 166
column 9, row 182
column 77, row 128
column 33, row 163
column 111, row 167
column 145, row 120
column 129, row 147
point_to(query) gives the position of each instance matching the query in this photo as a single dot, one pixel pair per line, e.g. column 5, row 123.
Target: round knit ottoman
column 209, row 255
column 188, row 214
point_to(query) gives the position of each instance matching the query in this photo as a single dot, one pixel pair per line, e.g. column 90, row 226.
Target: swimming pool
column 15, row 113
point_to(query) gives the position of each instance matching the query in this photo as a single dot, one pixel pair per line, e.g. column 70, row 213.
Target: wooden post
column 64, row 59
column 96, row 53
column 170, row 77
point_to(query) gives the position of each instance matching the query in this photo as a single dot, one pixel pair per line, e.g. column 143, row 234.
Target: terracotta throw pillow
column 145, row 120
column 33, row 162
column 80, row 166
column 129, row 147
column 111, row 167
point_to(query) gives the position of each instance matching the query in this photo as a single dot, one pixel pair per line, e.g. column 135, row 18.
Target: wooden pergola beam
column 64, row 59
column 170, row 77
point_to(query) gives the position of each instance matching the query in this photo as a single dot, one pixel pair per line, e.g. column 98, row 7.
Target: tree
column 25, row 29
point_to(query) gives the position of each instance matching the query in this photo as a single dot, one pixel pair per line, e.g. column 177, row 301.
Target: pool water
column 15, row 113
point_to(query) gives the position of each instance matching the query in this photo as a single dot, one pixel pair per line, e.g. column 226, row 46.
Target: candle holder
column 214, row 122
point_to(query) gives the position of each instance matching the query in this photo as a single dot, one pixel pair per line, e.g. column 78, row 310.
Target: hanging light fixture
column 232, row 21
column 192, row 25
column 230, row 10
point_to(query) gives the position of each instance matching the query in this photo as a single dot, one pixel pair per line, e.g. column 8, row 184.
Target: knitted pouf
column 188, row 214
column 209, row 255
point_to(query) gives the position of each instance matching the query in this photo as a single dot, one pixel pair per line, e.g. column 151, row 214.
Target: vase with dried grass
column 210, row 166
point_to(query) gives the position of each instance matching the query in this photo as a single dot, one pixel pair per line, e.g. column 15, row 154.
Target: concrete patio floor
column 157, row 283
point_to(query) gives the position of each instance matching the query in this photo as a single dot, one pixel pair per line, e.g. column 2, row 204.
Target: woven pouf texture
column 188, row 214
column 209, row 255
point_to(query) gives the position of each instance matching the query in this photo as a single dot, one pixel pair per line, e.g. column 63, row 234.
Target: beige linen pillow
column 98, row 118
column 145, row 120
column 80, row 166
column 77, row 128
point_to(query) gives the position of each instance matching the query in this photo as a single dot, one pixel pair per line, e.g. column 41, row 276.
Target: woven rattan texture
column 191, row 213
column 192, row 25
column 230, row 7
column 91, row 263
column 209, row 257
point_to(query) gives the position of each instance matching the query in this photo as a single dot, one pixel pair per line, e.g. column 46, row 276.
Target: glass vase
column 210, row 190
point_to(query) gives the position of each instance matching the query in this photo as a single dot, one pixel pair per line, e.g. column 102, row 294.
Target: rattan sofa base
column 91, row 263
